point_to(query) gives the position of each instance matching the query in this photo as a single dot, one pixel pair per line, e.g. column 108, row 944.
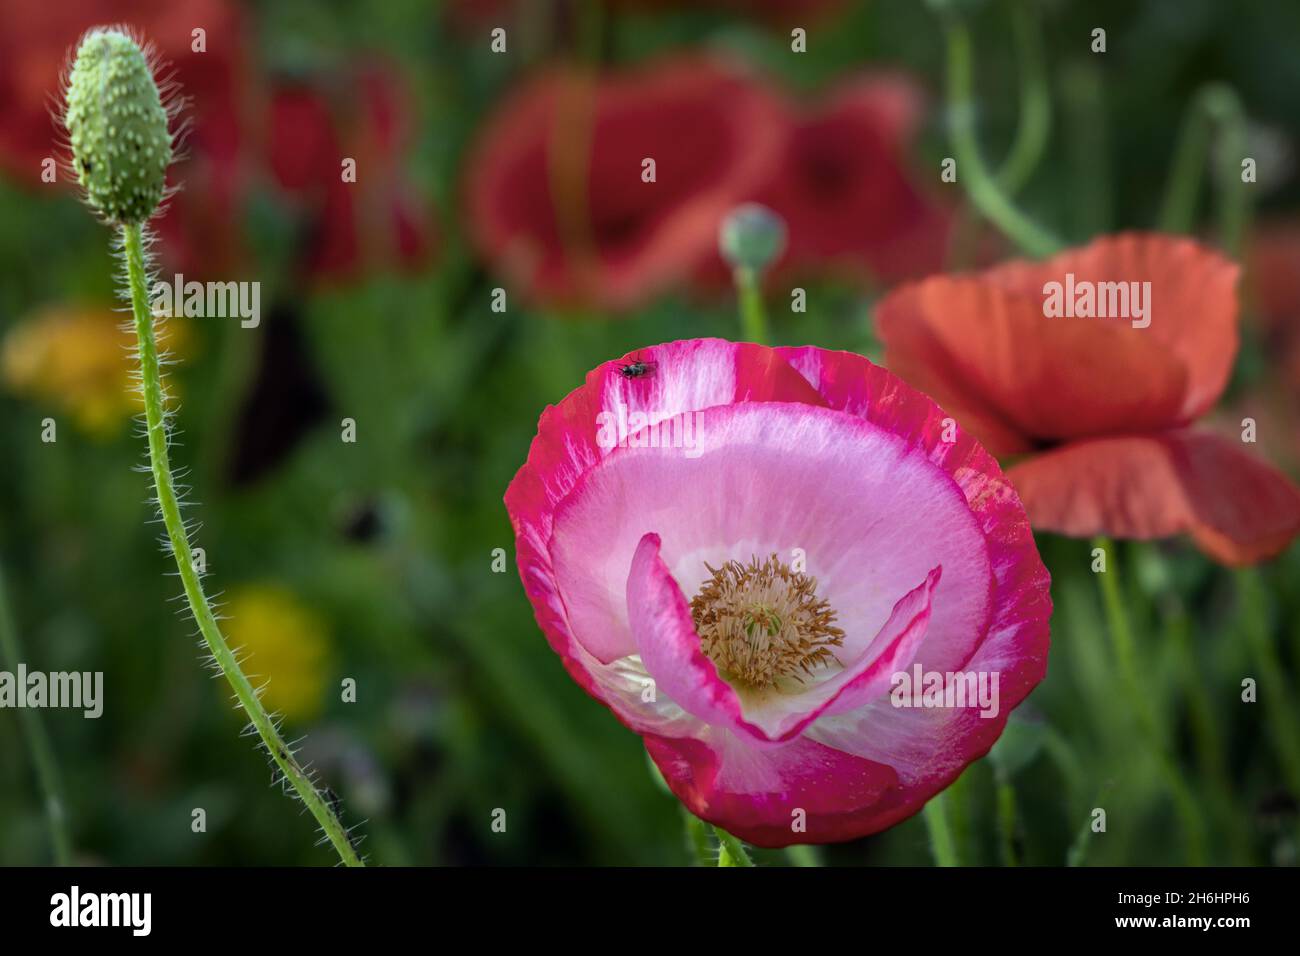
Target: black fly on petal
column 637, row 368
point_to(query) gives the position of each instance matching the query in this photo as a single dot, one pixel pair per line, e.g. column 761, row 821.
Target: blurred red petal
column 312, row 126
column 570, row 222
column 1192, row 309
column 845, row 188
column 1237, row 508
column 1016, row 378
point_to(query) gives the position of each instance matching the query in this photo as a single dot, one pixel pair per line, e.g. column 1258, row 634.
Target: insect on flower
column 637, row 368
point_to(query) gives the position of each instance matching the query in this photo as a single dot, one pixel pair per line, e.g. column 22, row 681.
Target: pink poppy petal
column 621, row 685
column 670, row 647
column 800, row 792
column 861, row 506
column 782, row 716
column 685, row 376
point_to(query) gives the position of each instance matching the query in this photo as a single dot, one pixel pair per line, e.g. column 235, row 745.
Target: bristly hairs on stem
column 120, row 144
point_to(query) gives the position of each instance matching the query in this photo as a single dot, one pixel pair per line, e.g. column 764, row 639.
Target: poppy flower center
column 761, row 623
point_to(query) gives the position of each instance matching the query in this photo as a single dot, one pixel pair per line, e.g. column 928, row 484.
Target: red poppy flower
column 1101, row 405
column 1274, row 282
column 35, row 39
column 845, row 190
column 313, row 126
column 1273, row 297
column 558, row 192
column 776, row 12
column 466, row 14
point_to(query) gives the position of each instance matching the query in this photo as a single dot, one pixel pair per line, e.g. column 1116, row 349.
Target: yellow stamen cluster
column 761, row 623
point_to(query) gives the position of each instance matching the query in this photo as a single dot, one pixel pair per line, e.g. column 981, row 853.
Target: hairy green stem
column 178, row 538
column 753, row 317
column 1125, row 648
column 980, row 184
column 731, row 852
column 38, row 743
column 942, row 843
column 697, row 839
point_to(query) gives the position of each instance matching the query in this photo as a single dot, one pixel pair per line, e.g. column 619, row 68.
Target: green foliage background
column 462, row 706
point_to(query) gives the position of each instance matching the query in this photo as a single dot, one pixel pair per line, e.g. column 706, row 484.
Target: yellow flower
column 80, row 360
column 282, row 641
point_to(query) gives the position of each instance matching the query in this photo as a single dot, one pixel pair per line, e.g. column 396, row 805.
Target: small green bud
column 118, row 127
column 751, row 237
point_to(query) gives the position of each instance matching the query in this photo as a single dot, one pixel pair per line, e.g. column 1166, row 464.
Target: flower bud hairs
column 117, row 119
column 117, row 123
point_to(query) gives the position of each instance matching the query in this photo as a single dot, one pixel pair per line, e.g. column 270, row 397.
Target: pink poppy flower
column 737, row 548
column 559, row 192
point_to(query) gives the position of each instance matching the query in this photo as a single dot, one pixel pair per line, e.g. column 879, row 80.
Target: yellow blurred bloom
column 80, row 361
column 283, row 641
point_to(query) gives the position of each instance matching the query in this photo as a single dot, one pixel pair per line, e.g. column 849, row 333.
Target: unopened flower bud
column 751, row 237
column 117, row 126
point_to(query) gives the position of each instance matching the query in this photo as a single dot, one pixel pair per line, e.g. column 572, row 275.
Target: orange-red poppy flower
column 610, row 189
column 1100, row 406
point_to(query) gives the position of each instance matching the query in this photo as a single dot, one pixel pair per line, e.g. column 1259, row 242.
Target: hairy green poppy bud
column 751, row 237
column 118, row 127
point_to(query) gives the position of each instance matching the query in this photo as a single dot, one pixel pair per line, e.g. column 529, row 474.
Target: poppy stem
column 1006, row 802
column 38, row 743
column 1087, row 148
column 178, row 538
column 1035, row 120
column 1125, row 648
column 1214, row 116
column 697, row 838
column 942, row 844
column 753, row 317
column 731, row 852
column 801, row 854
column 983, row 189
column 1275, row 691
column 1205, row 726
